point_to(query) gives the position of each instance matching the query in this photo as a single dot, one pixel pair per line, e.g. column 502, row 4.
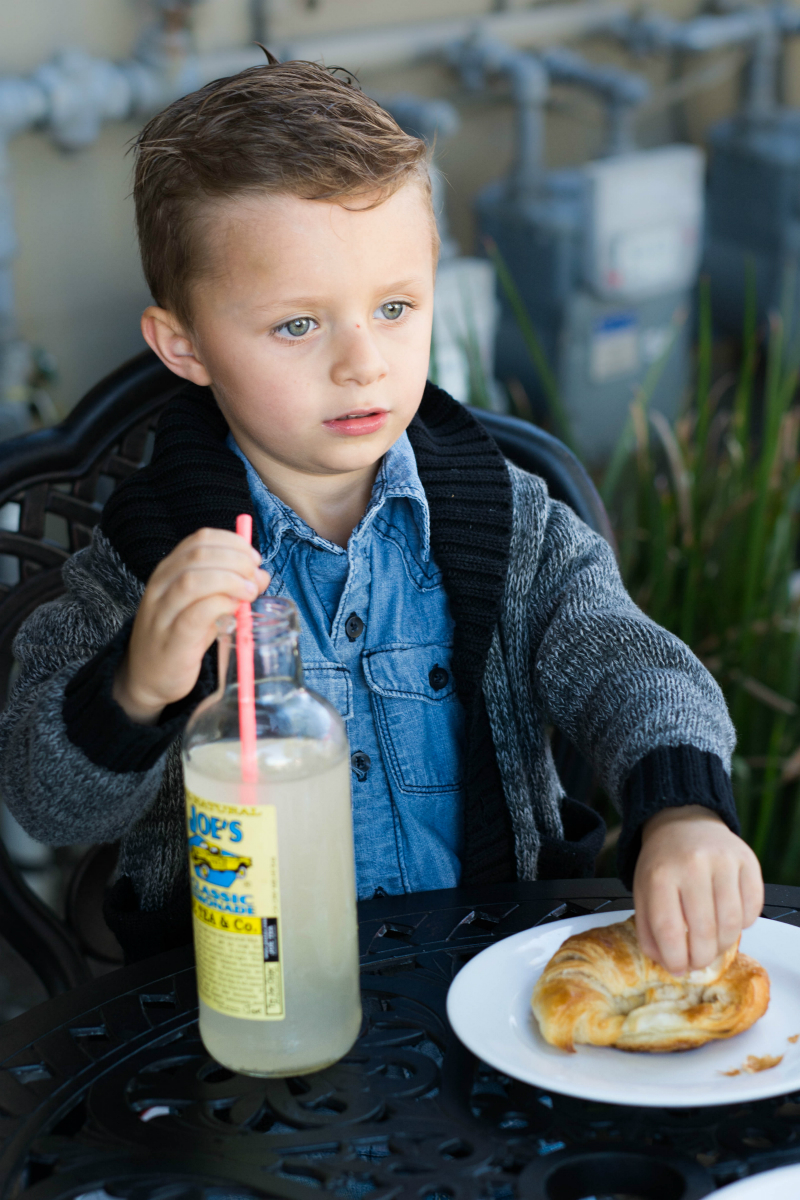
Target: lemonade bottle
column 271, row 861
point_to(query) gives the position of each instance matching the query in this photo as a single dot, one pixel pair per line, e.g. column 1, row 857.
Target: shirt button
column 438, row 677
column 360, row 762
column 353, row 626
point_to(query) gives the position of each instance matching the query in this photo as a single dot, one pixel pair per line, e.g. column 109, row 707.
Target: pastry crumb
column 755, row 1063
column 793, row 1038
column 764, row 1062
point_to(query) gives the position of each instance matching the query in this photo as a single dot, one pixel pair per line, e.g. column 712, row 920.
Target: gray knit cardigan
column 570, row 649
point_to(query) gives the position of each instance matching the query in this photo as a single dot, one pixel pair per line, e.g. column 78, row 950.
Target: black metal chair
column 542, row 454
column 53, row 485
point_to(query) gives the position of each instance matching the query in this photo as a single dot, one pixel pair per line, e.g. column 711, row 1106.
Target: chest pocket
column 418, row 715
column 332, row 681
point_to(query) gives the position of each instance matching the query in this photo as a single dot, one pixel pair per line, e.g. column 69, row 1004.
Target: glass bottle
column 272, row 864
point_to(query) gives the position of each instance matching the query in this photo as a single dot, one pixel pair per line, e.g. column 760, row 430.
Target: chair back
column 54, row 483
column 539, row 452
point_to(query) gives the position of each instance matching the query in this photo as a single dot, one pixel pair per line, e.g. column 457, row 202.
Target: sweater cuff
column 101, row 728
column 143, row 934
column 572, row 856
column 671, row 777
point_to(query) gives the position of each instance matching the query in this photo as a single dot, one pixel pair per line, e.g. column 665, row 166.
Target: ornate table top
column 109, row 1087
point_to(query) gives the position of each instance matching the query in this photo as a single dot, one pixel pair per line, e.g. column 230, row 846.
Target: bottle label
column 233, row 866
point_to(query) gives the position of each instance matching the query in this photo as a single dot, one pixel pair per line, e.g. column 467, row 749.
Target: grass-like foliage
column 707, row 512
column 707, row 516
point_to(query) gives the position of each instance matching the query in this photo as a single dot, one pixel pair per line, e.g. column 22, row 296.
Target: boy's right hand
column 206, row 576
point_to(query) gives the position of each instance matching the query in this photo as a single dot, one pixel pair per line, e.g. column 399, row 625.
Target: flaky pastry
column 599, row 988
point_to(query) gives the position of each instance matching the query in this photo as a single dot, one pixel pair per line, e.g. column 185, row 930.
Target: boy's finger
column 192, row 632
column 751, row 887
column 645, row 934
column 198, row 621
column 219, row 537
column 167, row 664
column 212, row 581
column 728, row 906
column 195, row 585
column 198, row 558
column 203, row 554
column 699, row 910
column 668, row 928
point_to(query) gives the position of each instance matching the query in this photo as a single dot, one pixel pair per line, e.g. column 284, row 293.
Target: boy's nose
column 358, row 359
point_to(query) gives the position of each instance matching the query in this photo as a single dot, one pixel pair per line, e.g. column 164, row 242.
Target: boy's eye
column 298, row 327
column 393, row 309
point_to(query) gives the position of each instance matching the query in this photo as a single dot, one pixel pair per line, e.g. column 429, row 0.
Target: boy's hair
column 290, row 128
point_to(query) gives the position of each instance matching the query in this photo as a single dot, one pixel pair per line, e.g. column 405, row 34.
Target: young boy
column 450, row 609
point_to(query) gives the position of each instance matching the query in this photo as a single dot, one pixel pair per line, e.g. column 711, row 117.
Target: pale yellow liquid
column 319, row 931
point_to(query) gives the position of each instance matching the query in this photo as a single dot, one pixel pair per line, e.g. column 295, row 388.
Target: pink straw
column 247, row 693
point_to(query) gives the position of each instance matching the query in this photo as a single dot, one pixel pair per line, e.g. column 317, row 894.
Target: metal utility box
column 753, row 198
column 644, row 221
column 604, row 258
column 754, row 217
column 607, row 349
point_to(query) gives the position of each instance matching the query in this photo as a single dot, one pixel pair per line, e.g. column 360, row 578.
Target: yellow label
column 233, row 866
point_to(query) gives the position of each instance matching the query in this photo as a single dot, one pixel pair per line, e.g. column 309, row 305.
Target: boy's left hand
column 695, row 888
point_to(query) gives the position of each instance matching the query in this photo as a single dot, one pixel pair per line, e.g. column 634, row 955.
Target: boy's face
column 312, row 326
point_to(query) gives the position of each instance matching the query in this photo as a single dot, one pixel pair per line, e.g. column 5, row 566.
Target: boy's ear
column 166, row 336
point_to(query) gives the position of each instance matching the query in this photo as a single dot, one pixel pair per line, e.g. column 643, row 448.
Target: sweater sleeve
column 630, row 695
column 96, row 724
column 59, row 776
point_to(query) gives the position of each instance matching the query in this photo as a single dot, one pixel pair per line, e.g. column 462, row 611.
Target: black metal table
column 109, row 1087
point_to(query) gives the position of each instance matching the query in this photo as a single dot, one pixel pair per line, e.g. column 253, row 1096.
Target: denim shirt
column 376, row 641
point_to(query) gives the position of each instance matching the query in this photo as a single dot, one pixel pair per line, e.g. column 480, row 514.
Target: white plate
column 489, row 1008
column 783, row 1184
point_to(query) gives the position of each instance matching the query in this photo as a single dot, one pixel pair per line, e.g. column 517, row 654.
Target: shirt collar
column 397, row 477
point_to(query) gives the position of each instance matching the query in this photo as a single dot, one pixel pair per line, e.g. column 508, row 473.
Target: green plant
column 707, row 513
column 707, row 516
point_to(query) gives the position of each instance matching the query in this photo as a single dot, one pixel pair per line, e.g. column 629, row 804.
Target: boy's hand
column 695, row 888
column 206, row 575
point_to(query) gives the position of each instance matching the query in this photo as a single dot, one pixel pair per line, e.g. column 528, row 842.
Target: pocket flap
column 423, row 672
column 331, row 680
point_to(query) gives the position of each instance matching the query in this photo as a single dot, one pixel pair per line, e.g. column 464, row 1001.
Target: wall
column 79, row 287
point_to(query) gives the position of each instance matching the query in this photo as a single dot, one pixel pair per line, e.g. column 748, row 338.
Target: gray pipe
column 762, row 27
column 482, row 56
column 260, row 24
column 621, row 91
column 651, row 33
column 761, row 98
column 399, row 45
column 529, row 76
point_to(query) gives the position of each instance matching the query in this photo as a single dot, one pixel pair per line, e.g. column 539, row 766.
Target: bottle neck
column 277, row 667
column 272, row 664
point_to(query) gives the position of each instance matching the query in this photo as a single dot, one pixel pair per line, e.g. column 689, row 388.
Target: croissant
column 600, row 988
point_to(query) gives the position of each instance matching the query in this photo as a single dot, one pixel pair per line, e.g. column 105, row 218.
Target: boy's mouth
column 358, row 421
